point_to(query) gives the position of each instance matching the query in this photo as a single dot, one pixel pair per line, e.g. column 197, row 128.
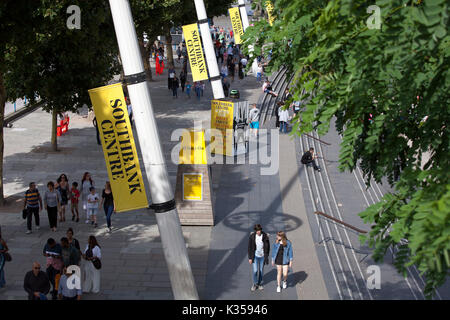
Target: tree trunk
column 2, row 144
column 54, row 126
column 145, row 52
column 170, row 62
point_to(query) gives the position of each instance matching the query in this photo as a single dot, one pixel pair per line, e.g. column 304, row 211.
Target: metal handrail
column 339, row 221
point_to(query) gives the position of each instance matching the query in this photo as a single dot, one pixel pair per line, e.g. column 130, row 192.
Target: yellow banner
column 238, row 29
column 193, row 186
column 222, row 119
column 269, row 9
column 119, row 149
column 195, row 52
column 193, row 149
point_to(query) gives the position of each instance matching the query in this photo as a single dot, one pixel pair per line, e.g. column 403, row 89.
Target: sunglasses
column 37, row 268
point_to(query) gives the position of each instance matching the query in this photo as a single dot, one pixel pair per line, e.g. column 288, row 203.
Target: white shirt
column 92, row 197
column 96, row 252
column 259, row 246
column 284, row 115
column 259, row 69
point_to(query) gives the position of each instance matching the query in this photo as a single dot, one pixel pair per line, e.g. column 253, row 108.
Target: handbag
column 24, row 213
column 97, row 263
column 7, row 256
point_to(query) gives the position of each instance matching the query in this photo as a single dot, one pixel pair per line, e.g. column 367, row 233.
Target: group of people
column 57, row 196
column 61, row 261
column 258, row 256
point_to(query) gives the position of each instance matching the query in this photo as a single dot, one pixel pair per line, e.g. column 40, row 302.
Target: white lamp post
column 175, row 252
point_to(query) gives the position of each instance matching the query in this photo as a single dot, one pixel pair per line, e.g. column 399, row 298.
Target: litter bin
column 234, row 94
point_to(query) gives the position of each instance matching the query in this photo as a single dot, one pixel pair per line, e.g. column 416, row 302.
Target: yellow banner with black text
column 119, row 147
column 195, row 52
column 238, row 29
column 270, row 10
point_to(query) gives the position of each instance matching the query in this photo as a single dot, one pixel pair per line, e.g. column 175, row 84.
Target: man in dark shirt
column 36, row 283
column 308, row 158
column 69, row 254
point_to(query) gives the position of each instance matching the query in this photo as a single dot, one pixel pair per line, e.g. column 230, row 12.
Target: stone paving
column 133, row 261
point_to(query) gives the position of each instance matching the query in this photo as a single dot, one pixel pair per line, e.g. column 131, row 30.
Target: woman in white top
column 284, row 118
column 92, row 274
column 86, row 184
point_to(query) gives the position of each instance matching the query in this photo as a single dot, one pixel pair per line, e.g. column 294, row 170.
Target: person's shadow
column 293, row 278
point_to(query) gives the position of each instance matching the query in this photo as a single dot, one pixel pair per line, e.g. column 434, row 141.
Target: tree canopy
column 387, row 91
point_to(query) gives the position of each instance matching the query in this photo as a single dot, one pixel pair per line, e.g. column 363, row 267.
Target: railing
column 340, row 222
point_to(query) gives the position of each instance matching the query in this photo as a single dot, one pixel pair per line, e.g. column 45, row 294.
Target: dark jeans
column 51, row 274
column 32, row 211
column 108, row 212
column 52, row 213
column 283, row 126
column 175, row 92
column 313, row 163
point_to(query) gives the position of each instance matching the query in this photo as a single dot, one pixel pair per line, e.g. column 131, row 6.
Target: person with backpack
column 282, row 257
column 258, row 255
column 309, row 157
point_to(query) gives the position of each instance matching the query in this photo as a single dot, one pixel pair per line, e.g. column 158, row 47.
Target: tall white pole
column 244, row 16
column 174, row 246
column 211, row 60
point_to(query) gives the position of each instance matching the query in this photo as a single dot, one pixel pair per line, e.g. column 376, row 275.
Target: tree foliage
column 57, row 64
column 387, row 91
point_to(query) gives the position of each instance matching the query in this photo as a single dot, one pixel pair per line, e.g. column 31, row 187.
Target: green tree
column 58, row 65
column 400, row 75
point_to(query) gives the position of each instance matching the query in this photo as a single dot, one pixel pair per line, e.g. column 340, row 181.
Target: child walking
column 74, row 198
column 92, row 206
column 188, row 89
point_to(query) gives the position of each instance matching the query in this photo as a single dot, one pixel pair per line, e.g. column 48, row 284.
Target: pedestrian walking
column 108, row 204
column 175, row 86
column 69, row 254
column 86, row 184
column 283, row 115
column 258, row 255
column 188, row 89
column 197, row 89
column 92, row 206
column 182, row 80
column 94, row 122
column 308, row 159
column 224, row 71
column 282, row 257
column 277, row 113
column 259, row 72
column 92, row 254
column 32, row 204
column 62, row 185
column 53, row 252
column 74, row 199
column 64, row 292
column 52, row 203
column 3, row 255
column 36, row 283
column 253, row 117
column 74, row 243
column 171, row 76
column 202, row 87
column 225, row 86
